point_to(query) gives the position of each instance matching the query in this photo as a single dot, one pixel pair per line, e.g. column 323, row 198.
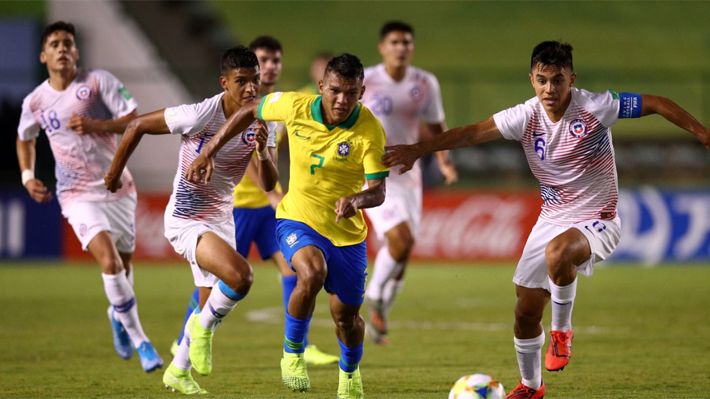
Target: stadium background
column 167, row 53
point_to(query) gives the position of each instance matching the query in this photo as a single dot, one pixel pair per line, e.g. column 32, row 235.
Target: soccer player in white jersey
column 565, row 133
column 401, row 96
column 80, row 110
column 198, row 220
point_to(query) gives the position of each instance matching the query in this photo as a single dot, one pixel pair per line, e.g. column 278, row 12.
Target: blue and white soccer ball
column 477, row 386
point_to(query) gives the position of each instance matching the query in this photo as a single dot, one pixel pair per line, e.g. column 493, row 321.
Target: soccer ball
column 477, row 386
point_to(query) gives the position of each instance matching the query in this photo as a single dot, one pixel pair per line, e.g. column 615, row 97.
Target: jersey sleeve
column 277, row 106
column 604, row 106
column 273, row 132
column 114, row 95
column 188, row 119
column 28, row 128
column 434, row 112
column 511, row 122
column 374, row 150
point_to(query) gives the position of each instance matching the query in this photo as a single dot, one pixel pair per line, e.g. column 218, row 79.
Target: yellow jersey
column 248, row 193
column 327, row 163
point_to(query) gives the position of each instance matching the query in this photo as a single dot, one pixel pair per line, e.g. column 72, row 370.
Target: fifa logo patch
column 292, row 239
column 249, row 137
column 83, row 93
column 578, row 128
column 343, row 150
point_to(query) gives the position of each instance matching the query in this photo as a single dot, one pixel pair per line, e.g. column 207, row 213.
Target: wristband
column 27, row 175
column 263, row 155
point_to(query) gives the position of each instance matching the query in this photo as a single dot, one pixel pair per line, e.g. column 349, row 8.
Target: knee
column 347, row 323
column 111, row 264
column 401, row 247
column 312, row 275
column 558, row 257
column 240, row 279
column 526, row 317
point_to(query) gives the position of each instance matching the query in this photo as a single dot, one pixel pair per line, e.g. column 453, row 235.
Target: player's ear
column 381, row 48
column 43, row 57
column 223, row 82
column 320, row 86
column 362, row 92
column 532, row 79
column 572, row 79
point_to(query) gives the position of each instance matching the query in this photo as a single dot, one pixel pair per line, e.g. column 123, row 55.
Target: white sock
column 120, row 294
column 389, row 293
column 384, row 269
column 530, row 360
column 562, row 305
column 218, row 305
column 182, row 357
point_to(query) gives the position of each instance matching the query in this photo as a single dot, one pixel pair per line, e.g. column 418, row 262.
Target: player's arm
column 83, row 125
column 372, row 197
column 676, row 115
column 203, row 165
column 152, row 123
column 406, row 155
column 268, row 175
column 446, row 167
column 26, row 155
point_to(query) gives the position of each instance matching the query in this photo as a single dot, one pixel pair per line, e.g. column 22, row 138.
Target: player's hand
column 262, row 135
column 345, row 207
column 404, row 155
column 201, row 167
column 274, row 198
column 448, row 169
column 82, row 125
column 113, row 183
column 38, row 191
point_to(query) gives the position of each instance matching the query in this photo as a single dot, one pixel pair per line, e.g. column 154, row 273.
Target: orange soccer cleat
column 525, row 392
column 559, row 351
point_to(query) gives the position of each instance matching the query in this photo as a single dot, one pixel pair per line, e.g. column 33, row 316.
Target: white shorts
column 89, row 218
column 183, row 235
column 401, row 205
column 603, row 237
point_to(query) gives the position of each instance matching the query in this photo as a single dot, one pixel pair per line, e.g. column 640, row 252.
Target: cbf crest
column 249, row 137
column 343, row 150
column 578, row 128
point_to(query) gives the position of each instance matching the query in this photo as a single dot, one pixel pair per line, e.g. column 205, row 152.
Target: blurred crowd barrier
column 658, row 225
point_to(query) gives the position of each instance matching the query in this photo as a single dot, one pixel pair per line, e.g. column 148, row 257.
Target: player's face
column 397, row 49
column 241, row 85
column 340, row 97
column 59, row 52
column 552, row 87
column 270, row 65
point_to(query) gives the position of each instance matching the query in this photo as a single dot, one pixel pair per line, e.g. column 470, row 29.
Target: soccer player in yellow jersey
column 335, row 144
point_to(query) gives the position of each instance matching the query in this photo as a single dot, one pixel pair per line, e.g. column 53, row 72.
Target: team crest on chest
column 343, row 150
column 83, row 93
column 249, row 137
column 416, row 93
column 578, row 128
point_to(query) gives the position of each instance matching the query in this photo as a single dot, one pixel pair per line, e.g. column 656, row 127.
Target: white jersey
column 81, row 160
column 573, row 158
column 400, row 107
column 197, row 123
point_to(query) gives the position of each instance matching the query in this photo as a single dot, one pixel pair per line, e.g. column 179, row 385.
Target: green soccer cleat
column 200, row 345
column 350, row 385
column 315, row 356
column 179, row 380
column 294, row 373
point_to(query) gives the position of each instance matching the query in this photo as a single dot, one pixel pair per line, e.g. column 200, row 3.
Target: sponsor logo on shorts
column 292, row 239
column 578, row 128
column 83, row 93
column 83, row 229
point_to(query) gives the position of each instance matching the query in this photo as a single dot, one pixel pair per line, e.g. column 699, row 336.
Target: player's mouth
column 63, row 58
column 340, row 110
column 249, row 98
column 549, row 101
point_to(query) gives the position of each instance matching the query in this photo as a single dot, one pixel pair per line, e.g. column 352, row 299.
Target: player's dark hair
column 59, row 25
column 395, row 26
column 552, row 53
column 238, row 57
column 346, row 65
column 266, row 42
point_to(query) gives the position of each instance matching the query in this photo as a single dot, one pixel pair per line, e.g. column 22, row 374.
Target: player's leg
column 193, row 304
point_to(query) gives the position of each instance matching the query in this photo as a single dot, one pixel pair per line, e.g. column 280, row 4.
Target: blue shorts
column 255, row 225
column 347, row 266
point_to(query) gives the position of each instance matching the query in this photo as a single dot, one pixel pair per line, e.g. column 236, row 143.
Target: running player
column 565, row 133
column 335, row 144
column 401, row 96
column 198, row 219
column 80, row 110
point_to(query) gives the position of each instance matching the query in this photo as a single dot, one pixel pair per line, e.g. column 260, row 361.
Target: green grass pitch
column 640, row 333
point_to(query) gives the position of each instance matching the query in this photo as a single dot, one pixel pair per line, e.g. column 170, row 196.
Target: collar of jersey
column 318, row 116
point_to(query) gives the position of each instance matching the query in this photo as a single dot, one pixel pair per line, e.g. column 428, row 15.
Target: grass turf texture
column 640, row 333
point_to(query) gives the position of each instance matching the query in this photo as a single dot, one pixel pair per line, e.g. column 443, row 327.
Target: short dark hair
column 346, row 65
column 554, row 53
column 238, row 57
column 266, row 42
column 59, row 25
column 395, row 26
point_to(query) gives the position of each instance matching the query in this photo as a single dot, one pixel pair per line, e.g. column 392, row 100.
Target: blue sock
column 289, row 283
column 349, row 357
column 296, row 330
column 194, row 303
